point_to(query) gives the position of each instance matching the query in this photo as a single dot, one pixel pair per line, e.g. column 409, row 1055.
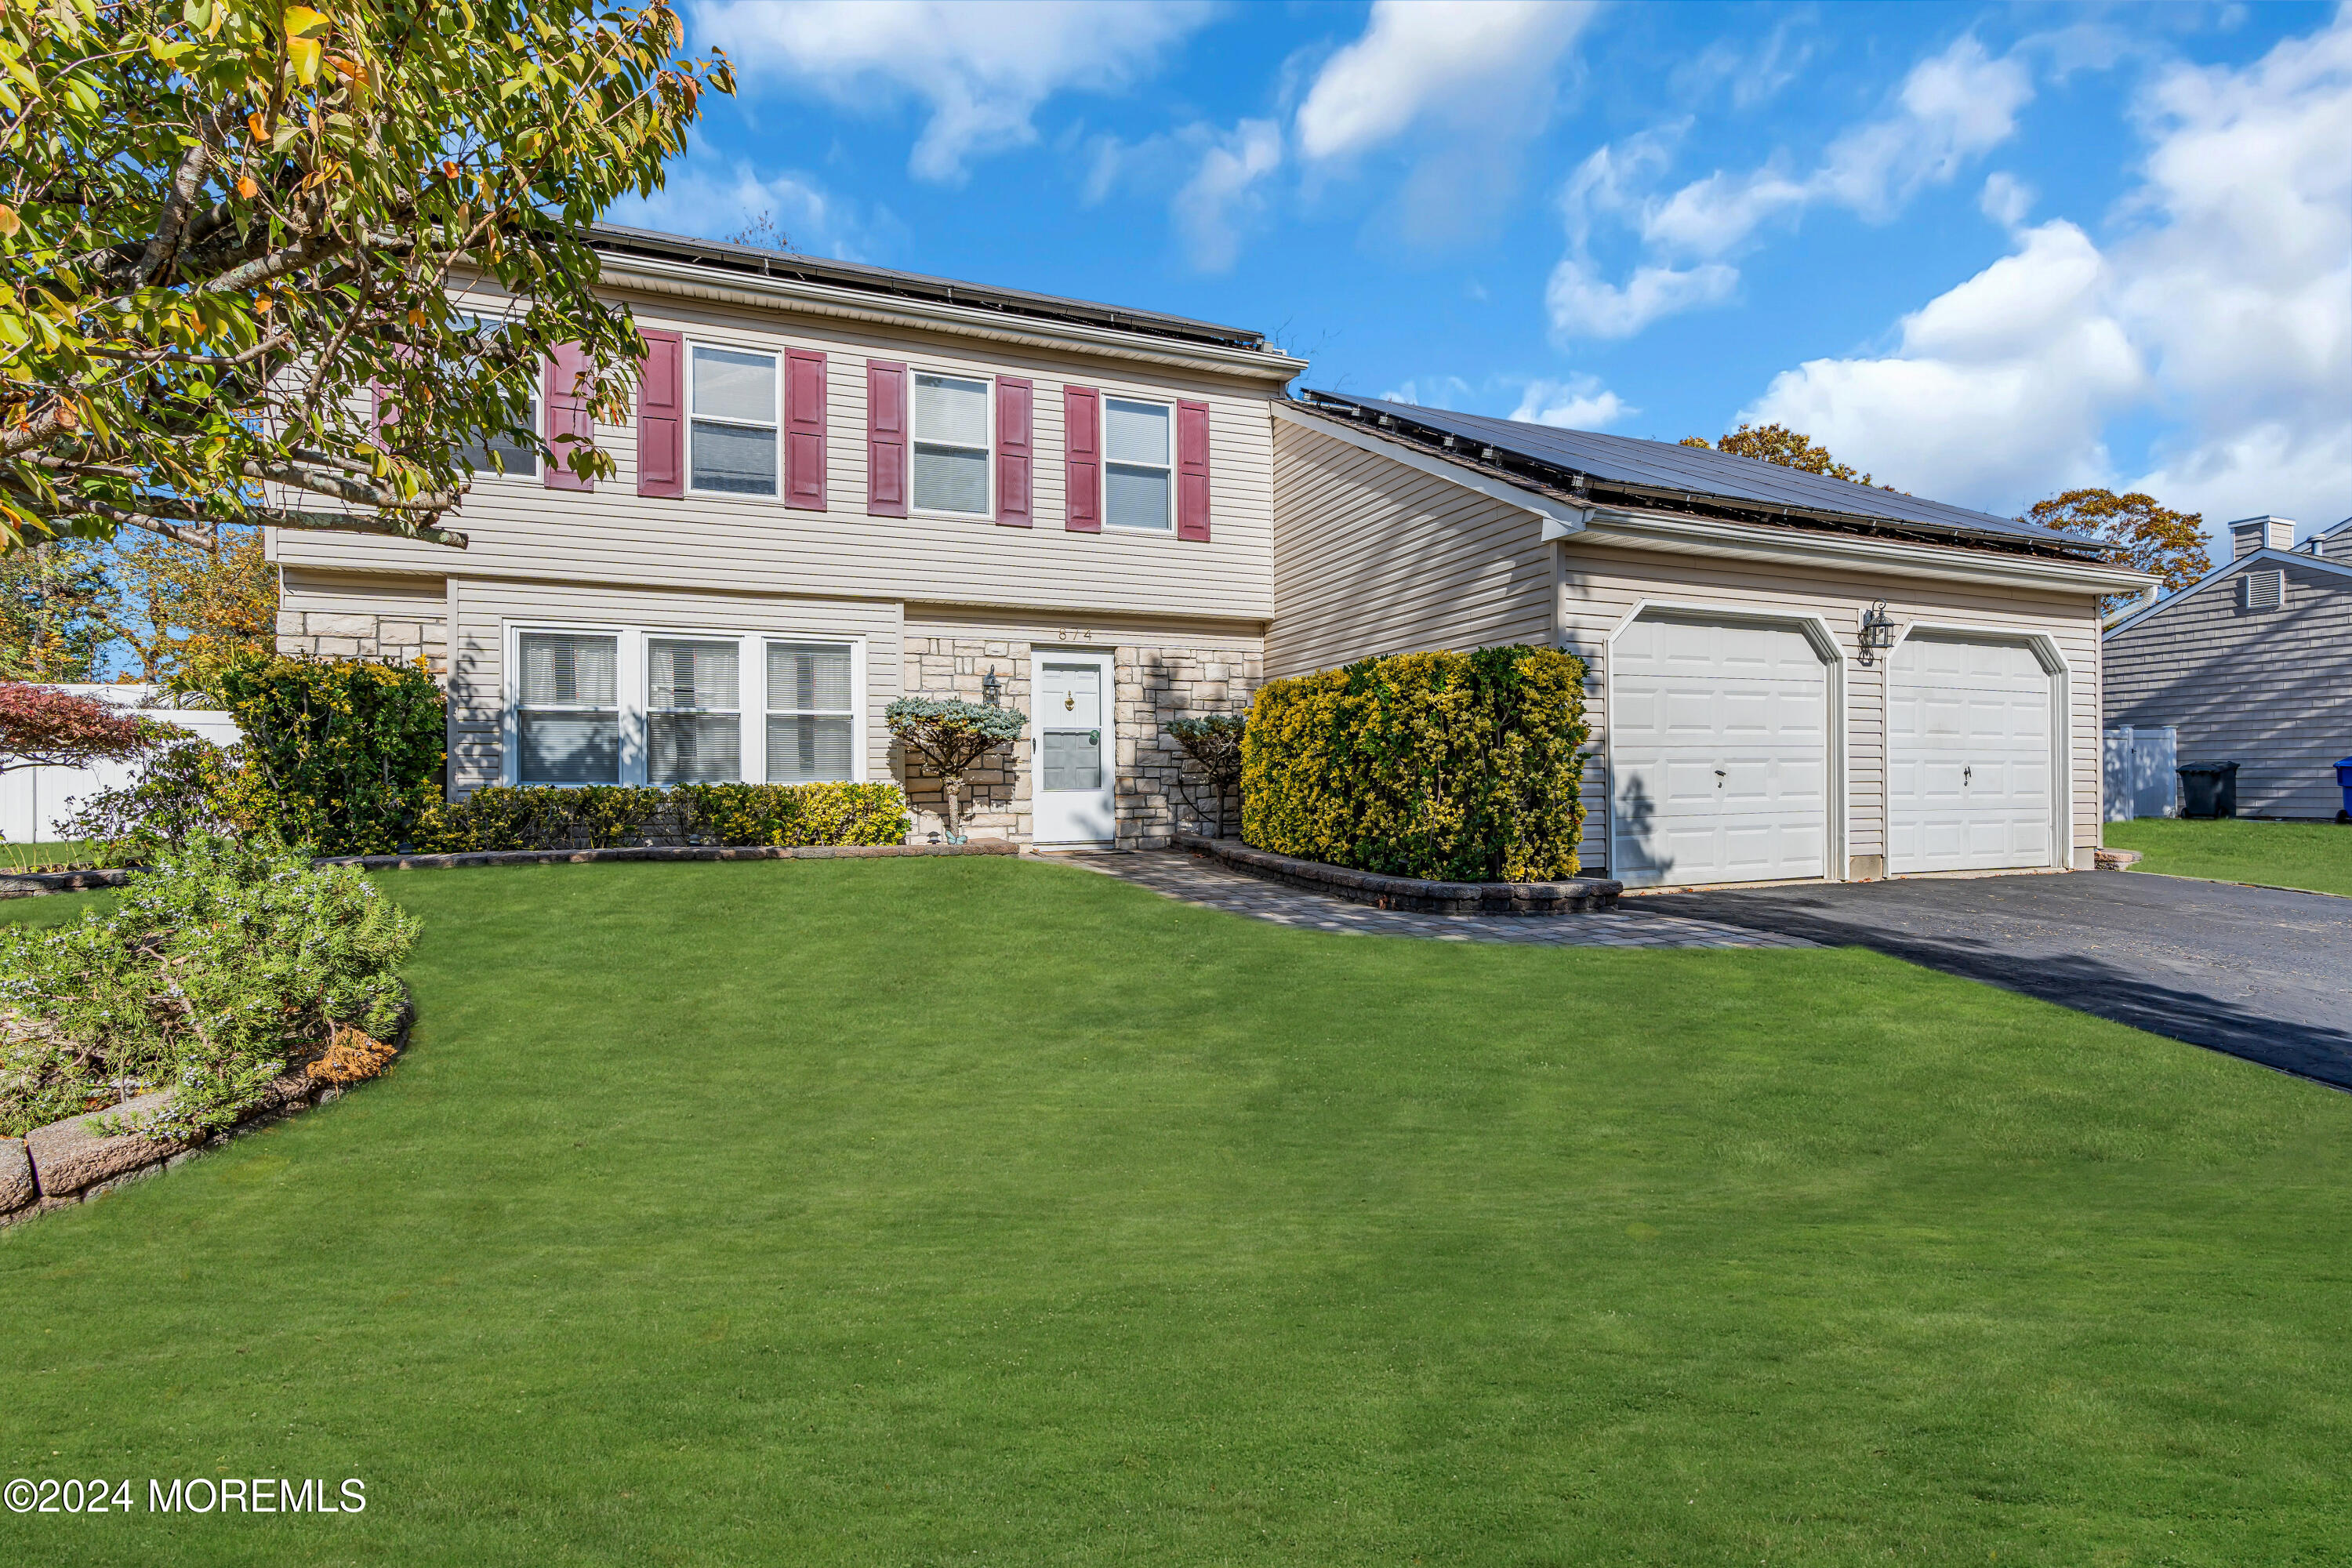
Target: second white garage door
column 1718, row 739
column 1969, row 774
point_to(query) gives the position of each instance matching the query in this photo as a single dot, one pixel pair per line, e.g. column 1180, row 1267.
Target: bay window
column 951, row 440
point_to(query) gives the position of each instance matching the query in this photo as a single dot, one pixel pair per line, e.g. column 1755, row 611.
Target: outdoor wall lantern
column 991, row 688
column 1877, row 632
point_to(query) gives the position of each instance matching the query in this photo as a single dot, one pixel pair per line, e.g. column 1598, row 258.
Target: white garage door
column 1969, row 774
column 1718, row 737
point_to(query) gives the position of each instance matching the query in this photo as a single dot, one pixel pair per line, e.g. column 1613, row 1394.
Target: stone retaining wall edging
column 1571, row 895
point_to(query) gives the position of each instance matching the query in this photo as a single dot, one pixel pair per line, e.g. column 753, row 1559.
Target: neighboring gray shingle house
column 2252, row 664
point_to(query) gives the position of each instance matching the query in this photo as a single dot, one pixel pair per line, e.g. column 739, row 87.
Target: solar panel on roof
column 1697, row 470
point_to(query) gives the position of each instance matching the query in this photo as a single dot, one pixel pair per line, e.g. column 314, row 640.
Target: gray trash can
column 2209, row 789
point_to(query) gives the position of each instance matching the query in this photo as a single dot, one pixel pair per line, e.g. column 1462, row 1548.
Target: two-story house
column 842, row 484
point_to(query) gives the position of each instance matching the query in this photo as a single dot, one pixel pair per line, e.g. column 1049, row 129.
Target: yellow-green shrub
column 601, row 817
column 1454, row 767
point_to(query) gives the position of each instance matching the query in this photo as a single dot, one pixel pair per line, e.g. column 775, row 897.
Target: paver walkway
column 1191, row 879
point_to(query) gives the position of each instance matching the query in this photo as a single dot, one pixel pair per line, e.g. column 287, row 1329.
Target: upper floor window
column 500, row 454
column 733, row 445
column 1139, row 475
column 950, row 439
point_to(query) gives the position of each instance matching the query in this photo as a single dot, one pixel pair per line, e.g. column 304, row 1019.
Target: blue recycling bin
column 2344, row 783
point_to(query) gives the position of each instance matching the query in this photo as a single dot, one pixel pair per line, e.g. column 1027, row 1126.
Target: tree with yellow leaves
column 229, row 232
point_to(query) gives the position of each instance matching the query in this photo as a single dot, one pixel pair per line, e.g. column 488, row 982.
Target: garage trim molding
column 2062, row 723
column 1816, row 630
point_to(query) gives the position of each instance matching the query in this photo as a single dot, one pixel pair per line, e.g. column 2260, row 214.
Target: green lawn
column 59, row 852
column 984, row 1211
column 2313, row 854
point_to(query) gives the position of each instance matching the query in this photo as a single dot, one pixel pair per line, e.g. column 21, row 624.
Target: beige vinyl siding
column 1370, row 556
column 485, row 608
column 2270, row 690
column 1601, row 589
column 520, row 529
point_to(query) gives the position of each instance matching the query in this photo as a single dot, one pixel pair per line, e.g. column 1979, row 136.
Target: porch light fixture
column 1877, row 632
column 991, row 688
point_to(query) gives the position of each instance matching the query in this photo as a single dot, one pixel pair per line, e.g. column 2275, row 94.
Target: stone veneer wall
column 395, row 638
column 1153, row 683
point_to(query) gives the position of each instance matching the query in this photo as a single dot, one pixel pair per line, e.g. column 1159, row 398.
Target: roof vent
column 2262, row 590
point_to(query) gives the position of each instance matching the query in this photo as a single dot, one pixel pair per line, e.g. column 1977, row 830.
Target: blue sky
column 1986, row 253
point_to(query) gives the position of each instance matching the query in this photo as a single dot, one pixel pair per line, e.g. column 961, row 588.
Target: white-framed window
column 501, row 456
column 693, row 710
column 812, row 713
column 731, row 437
column 655, row 705
column 1138, row 464
column 952, row 446
column 567, row 708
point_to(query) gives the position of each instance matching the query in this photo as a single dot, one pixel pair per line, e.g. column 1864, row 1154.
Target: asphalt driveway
column 2262, row 974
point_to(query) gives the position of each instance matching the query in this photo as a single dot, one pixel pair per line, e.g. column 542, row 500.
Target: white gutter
column 1900, row 558
column 1561, row 518
column 685, row 280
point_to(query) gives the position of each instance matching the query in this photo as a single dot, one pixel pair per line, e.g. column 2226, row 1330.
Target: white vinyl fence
column 2140, row 773
column 35, row 802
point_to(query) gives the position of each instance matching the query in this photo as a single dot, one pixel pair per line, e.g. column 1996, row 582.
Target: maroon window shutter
column 569, row 423
column 1014, row 451
column 661, row 424
column 804, row 430
column 885, row 440
column 1082, row 459
column 1191, row 470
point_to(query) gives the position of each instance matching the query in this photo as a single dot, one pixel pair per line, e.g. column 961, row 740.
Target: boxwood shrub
column 1454, row 766
column 605, row 817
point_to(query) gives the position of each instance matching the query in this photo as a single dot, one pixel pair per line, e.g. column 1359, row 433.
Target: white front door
column 1969, row 775
column 1720, row 754
column 1074, row 752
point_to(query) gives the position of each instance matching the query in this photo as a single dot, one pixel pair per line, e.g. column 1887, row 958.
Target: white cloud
column 1580, row 403
column 2225, row 310
column 713, row 200
column 1437, row 59
column 1223, row 194
column 1477, row 79
column 2001, row 387
column 1438, row 392
column 2006, row 199
column 1951, row 107
column 982, row 67
column 1582, row 304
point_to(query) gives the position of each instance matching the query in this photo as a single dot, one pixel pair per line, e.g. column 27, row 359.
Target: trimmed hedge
column 1458, row 767
column 608, row 816
column 342, row 755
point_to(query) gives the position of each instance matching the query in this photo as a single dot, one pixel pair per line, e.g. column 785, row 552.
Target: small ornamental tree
column 43, row 727
column 950, row 736
column 1214, row 740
